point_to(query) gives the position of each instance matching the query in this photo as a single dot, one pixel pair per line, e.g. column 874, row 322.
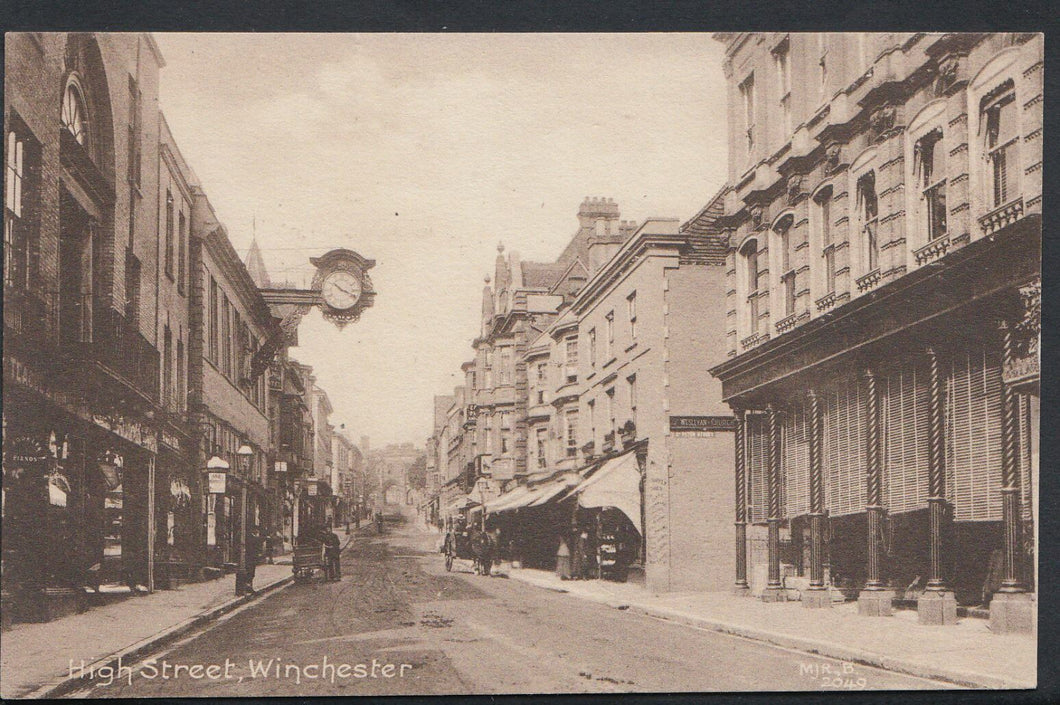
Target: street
column 397, row 623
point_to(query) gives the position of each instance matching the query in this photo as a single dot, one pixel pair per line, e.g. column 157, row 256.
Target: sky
column 424, row 152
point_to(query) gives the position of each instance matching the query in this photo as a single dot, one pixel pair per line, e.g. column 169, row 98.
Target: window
column 182, row 385
column 868, row 211
column 750, row 257
column 787, row 267
column 73, row 115
column 781, row 55
column 823, row 211
column 999, row 119
column 215, row 318
column 488, row 431
column 931, row 167
column 167, row 368
column 611, row 408
column 226, row 336
column 592, row 347
column 571, row 358
column 822, row 67
column 632, row 381
column 747, row 95
column 631, row 307
column 135, row 120
column 169, row 235
column 182, row 253
column 592, row 420
column 542, row 377
column 571, row 432
column 541, row 436
column 610, row 318
column 15, row 237
column 506, row 366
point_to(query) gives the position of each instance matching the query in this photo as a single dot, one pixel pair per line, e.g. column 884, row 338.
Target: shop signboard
column 311, row 489
column 216, row 482
column 702, row 425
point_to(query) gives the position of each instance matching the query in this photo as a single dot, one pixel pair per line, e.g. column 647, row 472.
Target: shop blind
column 973, row 436
column 795, row 459
column 906, row 414
column 844, row 451
column 757, row 468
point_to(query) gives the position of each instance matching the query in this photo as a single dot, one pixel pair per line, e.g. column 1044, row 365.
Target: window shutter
column 796, row 462
column 844, row 450
column 973, row 437
column 905, row 431
column 757, row 468
column 1026, row 429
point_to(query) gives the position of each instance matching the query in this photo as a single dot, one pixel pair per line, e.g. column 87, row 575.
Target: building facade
column 82, row 348
column 883, row 298
column 228, row 403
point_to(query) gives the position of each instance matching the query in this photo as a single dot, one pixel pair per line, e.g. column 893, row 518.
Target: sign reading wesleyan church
column 702, row 424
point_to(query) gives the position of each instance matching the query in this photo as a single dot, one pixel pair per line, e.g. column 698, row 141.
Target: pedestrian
column 253, row 556
column 332, row 548
column 563, row 559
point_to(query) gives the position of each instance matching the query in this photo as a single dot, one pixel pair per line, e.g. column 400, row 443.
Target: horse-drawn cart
column 474, row 545
column 308, row 557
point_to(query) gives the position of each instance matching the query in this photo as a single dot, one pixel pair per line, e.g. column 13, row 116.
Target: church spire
column 256, row 266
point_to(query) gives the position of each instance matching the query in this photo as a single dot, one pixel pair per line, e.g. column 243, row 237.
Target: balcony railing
column 1000, row 217
column 933, row 250
column 827, row 301
column 869, row 281
column 786, row 323
column 121, row 351
column 752, row 340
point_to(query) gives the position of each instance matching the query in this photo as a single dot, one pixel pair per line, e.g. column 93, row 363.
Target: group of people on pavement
column 578, row 563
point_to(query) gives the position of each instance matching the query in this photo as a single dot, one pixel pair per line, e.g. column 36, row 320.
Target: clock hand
column 345, row 291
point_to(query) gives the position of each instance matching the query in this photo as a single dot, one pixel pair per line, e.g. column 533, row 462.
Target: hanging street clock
column 344, row 286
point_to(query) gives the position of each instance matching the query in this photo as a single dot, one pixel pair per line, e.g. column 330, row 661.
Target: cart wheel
column 448, row 562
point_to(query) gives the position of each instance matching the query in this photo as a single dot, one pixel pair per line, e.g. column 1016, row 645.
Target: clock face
column 341, row 290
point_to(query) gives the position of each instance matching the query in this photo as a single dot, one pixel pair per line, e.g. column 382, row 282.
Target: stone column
column 818, row 595
column 1011, row 609
column 937, row 605
column 741, row 587
column 774, row 591
column 874, row 600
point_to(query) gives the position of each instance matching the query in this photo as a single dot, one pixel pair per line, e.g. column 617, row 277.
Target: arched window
column 749, row 257
column 868, row 220
column 822, row 216
column 786, row 245
column 74, row 115
column 999, row 121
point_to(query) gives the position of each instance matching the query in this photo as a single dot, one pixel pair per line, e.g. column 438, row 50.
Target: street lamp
column 245, row 453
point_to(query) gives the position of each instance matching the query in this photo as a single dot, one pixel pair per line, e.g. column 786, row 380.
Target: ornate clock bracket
column 290, row 305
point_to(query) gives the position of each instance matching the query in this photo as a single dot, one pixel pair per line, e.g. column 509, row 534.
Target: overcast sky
column 423, row 152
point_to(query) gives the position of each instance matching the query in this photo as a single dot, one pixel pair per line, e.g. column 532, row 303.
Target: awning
column 551, row 490
column 460, row 503
column 616, row 484
column 508, row 500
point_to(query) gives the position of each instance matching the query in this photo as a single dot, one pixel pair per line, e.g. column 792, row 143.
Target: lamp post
column 245, row 453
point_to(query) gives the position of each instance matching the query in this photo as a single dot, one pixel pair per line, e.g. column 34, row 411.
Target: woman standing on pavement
column 563, row 559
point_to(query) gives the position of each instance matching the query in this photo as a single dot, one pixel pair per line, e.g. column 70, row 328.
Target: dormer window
column 73, row 115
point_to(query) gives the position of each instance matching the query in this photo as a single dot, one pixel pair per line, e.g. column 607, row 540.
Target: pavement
column 399, row 624
column 45, row 659
column 965, row 654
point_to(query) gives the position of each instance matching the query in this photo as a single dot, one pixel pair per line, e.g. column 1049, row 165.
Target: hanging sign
column 311, row 489
column 216, row 482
